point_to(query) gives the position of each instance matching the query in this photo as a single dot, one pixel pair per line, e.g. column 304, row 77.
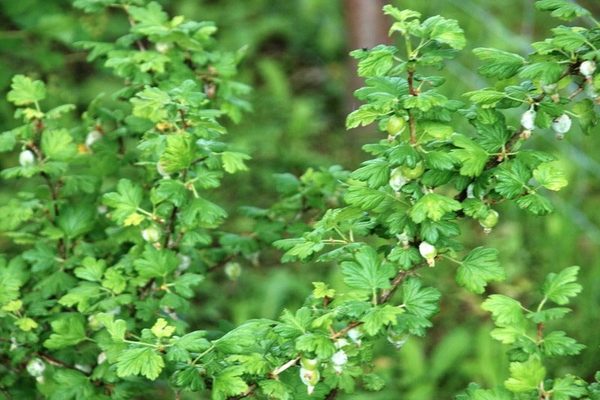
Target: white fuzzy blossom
column 561, row 125
column 101, row 358
column 26, row 158
column 355, row 334
column 587, row 68
column 339, row 359
column 428, row 252
column 528, row 120
column 397, row 179
column 92, row 137
column 36, row 367
column 184, row 262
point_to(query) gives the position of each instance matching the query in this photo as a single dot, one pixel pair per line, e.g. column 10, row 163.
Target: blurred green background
column 297, row 61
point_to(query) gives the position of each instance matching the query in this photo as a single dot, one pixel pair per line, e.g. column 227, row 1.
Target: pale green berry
column 489, row 221
column 151, row 234
column 26, row 158
column 92, row 137
column 395, row 125
column 413, row 172
column 309, row 363
column 233, row 270
column 561, row 125
column 428, row 252
column 397, row 179
column 35, row 367
column 587, row 68
column 310, row 378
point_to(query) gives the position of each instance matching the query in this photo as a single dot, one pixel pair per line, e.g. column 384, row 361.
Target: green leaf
column 512, row 178
column 91, row 269
column 478, row 268
column 422, row 302
column 25, row 91
column 68, row 330
column 505, row 310
column 550, row 176
column 116, row 328
column 318, row 343
column 125, row 201
column 433, row 206
column 151, row 103
column 179, row 153
column 444, row 31
column 77, row 220
column 525, row 376
column 379, row 317
column 233, row 161
column 472, row 157
column 229, row 383
column 535, row 203
column 486, row 97
column 497, row 63
column 562, row 9
column 156, row 263
column 58, row 145
column 202, row 213
column 560, row 287
column 547, row 72
column 161, row 329
column 140, row 361
column 568, row 387
column 366, row 272
column 364, row 116
column 375, row 172
column 557, row 343
column 376, row 61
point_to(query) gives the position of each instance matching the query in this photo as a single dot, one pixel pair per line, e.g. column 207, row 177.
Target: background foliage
column 296, row 58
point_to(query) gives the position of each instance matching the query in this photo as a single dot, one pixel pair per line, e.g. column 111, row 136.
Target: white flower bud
column 26, row 158
column 528, row 119
column 36, row 367
column 561, row 125
column 355, row 334
column 339, row 358
column 184, row 262
column 428, row 252
column 13, row 344
column 340, row 343
column 587, row 68
column 83, row 368
column 101, row 358
column 151, row 234
column 233, row 270
column 162, row 47
column 397, row 179
column 550, row 88
column 92, row 137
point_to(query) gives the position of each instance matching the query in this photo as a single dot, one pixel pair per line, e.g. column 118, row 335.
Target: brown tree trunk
column 367, row 27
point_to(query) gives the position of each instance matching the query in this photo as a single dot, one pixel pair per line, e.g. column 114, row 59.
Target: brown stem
column 332, row 394
column 412, row 124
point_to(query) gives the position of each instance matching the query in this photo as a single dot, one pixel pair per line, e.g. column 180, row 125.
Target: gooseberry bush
column 115, row 226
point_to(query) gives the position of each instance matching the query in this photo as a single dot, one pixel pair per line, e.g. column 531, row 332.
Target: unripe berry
column 92, row 137
column 184, row 262
column 396, row 339
column 528, row 119
column 428, row 252
column 397, row 179
column 162, row 47
column 151, row 234
column 561, row 125
column 413, row 173
column 233, row 270
column 309, row 363
column 161, row 171
column 587, row 68
column 395, row 125
column 26, row 158
column 489, row 221
column 310, row 378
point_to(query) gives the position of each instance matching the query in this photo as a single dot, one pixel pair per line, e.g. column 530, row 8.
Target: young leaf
column 366, row 272
column 560, row 287
column 26, row 91
column 497, row 63
column 525, row 376
column 140, row 361
column 478, row 268
column 433, row 206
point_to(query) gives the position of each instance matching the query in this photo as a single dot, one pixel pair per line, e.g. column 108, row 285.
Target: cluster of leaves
column 525, row 330
column 122, row 229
